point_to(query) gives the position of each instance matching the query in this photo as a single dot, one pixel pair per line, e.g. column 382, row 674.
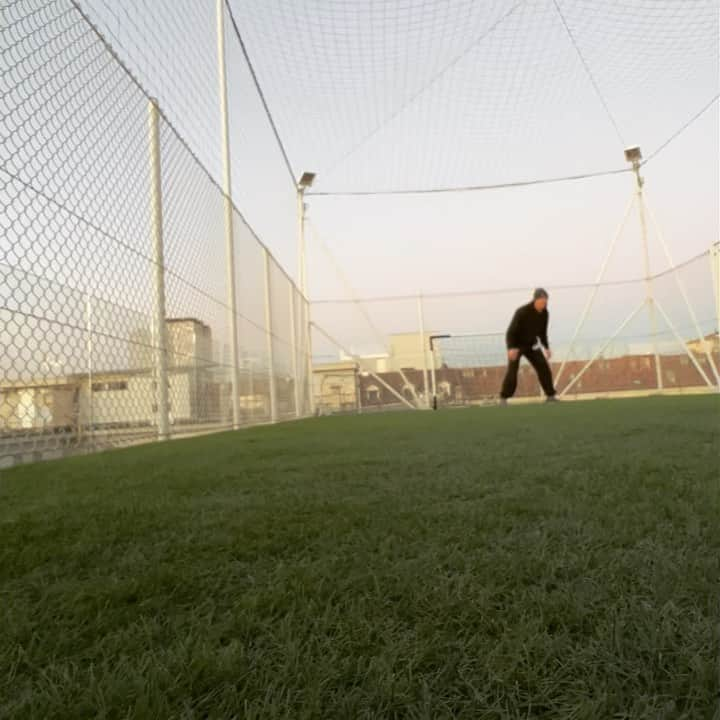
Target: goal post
column 467, row 367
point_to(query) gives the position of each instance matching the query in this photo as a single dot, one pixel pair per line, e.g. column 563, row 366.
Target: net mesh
column 381, row 96
column 86, row 163
column 383, row 336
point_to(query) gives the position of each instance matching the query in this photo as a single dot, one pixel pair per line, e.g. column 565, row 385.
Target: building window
column 113, row 385
column 373, row 393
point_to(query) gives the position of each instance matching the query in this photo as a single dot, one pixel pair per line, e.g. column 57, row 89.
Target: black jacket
column 527, row 326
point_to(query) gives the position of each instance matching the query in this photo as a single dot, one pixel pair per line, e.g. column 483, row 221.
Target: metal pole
column 693, row 359
column 229, row 238
column 649, row 294
column 372, row 373
column 88, row 322
column 302, row 277
column 269, row 338
column 161, row 376
column 715, row 260
column 302, row 270
column 593, row 294
column 423, row 339
column 251, row 385
column 309, row 382
column 293, row 350
column 681, row 287
column 432, row 371
column 602, row 349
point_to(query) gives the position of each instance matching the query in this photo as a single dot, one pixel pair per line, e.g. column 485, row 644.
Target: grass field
column 529, row 562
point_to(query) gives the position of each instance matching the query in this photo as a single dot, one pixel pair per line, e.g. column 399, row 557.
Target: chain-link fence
column 606, row 338
column 117, row 305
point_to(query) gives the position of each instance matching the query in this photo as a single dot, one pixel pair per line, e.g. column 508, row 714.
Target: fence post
column 229, row 235
column 432, row 372
column 269, row 337
column 161, row 374
column 715, row 260
column 306, row 319
column 293, row 349
column 649, row 293
column 89, row 349
column 421, row 321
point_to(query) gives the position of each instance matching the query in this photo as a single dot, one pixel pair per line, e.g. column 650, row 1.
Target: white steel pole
column 681, row 287
column 593, row 294
column 715, row 260
column 302, row 270
column 302, row 278
column 269, row 338
column 693, row 359
column 433, row 363
column 423, row 340
column 88, row 322
column 370, row 372
column 294, row 351
column 602, row 349
column 649, row 294
column 161, row 376
column 229, row 235
column 251, row 386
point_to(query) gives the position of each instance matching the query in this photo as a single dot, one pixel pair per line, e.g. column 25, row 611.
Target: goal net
column 468, row 367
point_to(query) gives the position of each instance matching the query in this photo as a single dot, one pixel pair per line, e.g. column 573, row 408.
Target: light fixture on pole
column 306, row 180
column 633, row 155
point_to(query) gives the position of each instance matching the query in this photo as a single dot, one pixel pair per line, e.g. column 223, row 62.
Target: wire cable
column 258, row 87
column 471, row 188
column 455, row 60
column 589, row 73
column 681, row 130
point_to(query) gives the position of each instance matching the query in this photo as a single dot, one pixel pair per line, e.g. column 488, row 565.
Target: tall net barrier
column 605, row 338
column 118, row 315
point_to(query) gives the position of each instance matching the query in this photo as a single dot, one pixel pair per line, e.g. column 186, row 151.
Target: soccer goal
column 466, row 368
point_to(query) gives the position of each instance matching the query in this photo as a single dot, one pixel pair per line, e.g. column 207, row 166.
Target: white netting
column 383, row 335
column 115, row 298
column 375, row 97
column 380, row 95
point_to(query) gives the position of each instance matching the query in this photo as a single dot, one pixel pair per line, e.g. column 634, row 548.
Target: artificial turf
column 526, row 562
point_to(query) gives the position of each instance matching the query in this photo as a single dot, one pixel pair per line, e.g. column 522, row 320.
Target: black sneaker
column 552, row 399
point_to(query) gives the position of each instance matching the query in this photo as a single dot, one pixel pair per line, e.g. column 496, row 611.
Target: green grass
column 528, row 562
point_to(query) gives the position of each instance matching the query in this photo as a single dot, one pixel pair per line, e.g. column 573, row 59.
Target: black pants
column 537, row 359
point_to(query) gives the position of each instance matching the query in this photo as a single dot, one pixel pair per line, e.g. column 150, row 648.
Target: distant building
column 406, row 351
column 709, row 343
column 336, row 387
column 198, row 391
column 188, row 343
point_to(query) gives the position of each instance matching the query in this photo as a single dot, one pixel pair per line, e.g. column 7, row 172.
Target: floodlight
column 633, row 154
column 306, row 180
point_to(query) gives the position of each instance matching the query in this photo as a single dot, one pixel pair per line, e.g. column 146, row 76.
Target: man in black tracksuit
column 527, row 335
